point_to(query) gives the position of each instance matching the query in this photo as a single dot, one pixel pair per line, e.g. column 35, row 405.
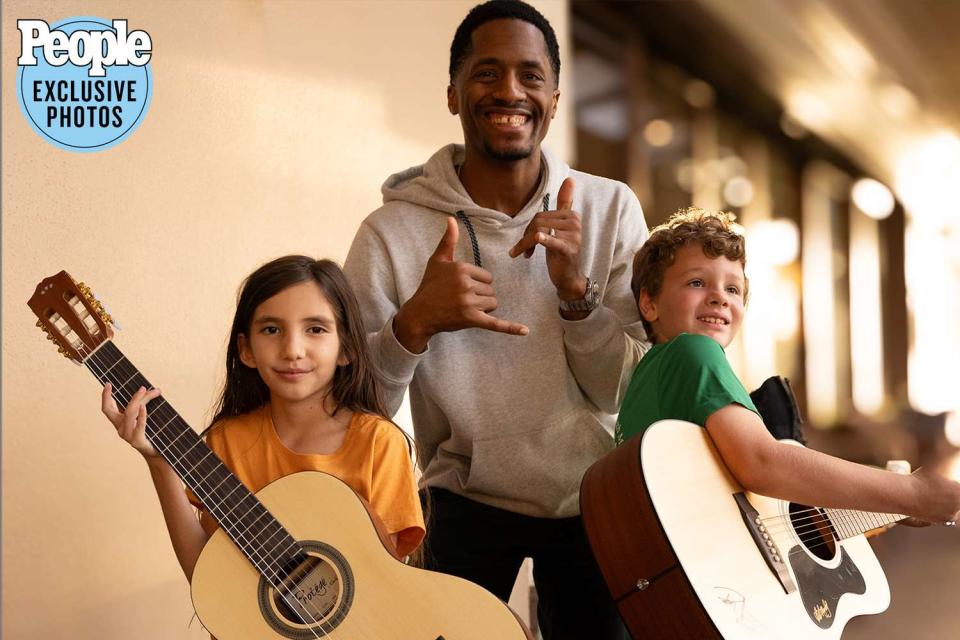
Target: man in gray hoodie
column 517, row 333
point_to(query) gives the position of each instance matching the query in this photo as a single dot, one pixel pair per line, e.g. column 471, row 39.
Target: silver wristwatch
column 589, row 301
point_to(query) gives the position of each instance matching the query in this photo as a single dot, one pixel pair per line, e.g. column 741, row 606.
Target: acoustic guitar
column 304, row 558
column 686, row 553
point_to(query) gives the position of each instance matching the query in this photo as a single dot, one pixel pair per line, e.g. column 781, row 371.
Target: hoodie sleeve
column 369, row 270
column 604, row 348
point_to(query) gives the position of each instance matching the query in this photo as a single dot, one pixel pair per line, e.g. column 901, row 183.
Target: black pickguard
column 821, row 588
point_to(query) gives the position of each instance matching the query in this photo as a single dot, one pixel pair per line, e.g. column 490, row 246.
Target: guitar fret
column 849, row 523
column 259, row 517
column 112, row 366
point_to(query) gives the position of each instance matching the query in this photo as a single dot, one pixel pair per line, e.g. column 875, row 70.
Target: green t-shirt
column 687, row 378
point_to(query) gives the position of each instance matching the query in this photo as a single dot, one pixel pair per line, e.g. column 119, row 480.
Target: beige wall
column 271, row 129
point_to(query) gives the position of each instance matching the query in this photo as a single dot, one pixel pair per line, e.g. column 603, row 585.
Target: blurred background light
column 773, row 242
column 807, row 108
column 699, row 94
column 866, row 319
column 738, row 191
column 819, row 304
column 792, row 127
column 873, row 198
column 658, row 132
column 897, row 100
column 928, row 179
column 952, row 431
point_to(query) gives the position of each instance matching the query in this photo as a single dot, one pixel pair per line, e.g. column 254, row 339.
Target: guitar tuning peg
column 40, row 325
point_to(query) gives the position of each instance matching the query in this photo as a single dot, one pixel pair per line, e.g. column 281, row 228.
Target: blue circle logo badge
column 84, row 83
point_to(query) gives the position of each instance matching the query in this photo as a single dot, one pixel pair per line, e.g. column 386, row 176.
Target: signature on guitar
column 737, row 603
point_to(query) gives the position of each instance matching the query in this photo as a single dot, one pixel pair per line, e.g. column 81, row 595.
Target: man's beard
column 509, row 154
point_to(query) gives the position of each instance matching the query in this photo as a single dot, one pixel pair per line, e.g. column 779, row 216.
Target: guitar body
column 359, row 591
column 671, row 540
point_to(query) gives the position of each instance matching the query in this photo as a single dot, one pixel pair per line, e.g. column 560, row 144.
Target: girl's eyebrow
column 309, row 319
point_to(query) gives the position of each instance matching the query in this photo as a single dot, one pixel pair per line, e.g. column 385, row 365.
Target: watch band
column 589, row 301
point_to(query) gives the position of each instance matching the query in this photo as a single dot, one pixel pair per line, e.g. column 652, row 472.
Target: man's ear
column 556, row 99
column 647, row 306
column 246, row 353
column 452, row 101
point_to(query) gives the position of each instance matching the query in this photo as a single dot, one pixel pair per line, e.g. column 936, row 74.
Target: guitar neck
column 849, row 523
column 263, row 540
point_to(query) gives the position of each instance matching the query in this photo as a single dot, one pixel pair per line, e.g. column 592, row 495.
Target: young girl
column 300, row 394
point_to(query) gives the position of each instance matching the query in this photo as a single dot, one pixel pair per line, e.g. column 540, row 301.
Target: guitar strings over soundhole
column 315, row 594
column 814, row 531
column 315, row 589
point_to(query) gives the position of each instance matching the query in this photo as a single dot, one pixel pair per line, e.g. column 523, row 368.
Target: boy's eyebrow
column 698, row 270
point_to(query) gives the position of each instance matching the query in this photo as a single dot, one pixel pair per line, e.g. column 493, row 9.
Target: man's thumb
column 448, row 243
column 565, row 194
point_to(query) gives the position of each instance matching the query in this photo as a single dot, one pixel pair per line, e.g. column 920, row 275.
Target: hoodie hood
column 436, row 186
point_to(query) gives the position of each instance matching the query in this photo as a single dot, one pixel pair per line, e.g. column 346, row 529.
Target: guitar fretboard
column 263, row 540
column 849, row 523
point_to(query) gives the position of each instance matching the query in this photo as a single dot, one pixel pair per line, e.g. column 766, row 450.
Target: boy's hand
column 131, row 423
column 560, row 233
column 939, row 497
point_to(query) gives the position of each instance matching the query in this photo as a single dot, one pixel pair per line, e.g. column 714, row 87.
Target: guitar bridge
column 765, row 543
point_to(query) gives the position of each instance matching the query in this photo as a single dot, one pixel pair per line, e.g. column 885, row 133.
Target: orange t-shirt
column 374, row 460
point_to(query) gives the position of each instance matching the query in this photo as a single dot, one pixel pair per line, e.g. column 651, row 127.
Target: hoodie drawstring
column 473, row 238
column 474, row 245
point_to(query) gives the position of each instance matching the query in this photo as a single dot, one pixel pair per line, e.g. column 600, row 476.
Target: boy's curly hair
column 713, row 230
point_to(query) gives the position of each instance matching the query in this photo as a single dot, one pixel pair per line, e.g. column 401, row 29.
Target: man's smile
column 511, row 120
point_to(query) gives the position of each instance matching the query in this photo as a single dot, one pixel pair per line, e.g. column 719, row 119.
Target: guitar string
column 807, row 525
column 799, row 532
column 179, row 458
column 268, row 572
column 860, row 519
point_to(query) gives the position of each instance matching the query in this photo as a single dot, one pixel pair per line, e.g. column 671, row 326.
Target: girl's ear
column 647, row 306
column 246, row 353
column 343, row 359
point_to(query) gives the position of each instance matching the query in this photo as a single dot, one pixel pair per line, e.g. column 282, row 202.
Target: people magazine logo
column 84, row 84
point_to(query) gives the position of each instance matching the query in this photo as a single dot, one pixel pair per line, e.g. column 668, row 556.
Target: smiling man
column 496, row 283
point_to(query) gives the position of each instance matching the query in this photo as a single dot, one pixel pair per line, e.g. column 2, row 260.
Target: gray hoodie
column 508, row 421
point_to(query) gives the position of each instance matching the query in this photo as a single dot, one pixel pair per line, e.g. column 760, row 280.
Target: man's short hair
column 481, row 14
column 712, row 230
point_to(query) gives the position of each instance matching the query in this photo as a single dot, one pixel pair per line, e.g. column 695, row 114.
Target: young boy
column 690, row 287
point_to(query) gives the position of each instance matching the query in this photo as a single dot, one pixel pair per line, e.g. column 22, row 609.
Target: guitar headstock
column 70, row 316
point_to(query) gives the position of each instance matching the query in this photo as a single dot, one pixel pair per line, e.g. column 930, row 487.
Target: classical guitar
column 686, row 553
column 304, row 557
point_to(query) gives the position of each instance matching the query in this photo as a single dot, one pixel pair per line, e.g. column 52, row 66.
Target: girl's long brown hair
column 355, row 385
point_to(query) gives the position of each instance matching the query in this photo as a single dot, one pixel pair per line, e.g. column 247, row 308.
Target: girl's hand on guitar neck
column 131, row 422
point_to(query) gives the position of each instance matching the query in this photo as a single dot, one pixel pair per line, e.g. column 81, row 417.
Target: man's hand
column 452, row 296
column 560, row 234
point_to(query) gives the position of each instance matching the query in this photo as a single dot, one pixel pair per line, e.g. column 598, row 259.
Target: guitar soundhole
column 814, row 530
column 314, row 596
